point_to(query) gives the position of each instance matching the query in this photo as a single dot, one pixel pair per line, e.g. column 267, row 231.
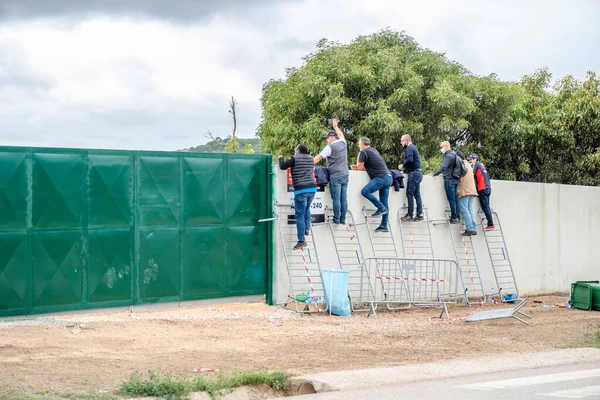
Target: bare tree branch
column 233, row 110
column 209, row 135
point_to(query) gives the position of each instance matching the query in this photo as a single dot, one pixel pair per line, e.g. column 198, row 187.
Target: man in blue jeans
column 336, row 154
column 305, row 187
column 412, row 168
column 371, row 161
column 450, row 182
column 484, row 189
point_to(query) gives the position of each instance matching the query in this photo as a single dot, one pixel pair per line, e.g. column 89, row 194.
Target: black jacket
column 397, row 180
column 302, row 166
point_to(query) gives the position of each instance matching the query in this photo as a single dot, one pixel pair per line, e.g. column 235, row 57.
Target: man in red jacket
column 484, row 188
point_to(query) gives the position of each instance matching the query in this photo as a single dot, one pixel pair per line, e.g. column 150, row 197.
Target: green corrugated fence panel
column 204, row 191
column 247, row 193
column 159, row 274
column 57, row 268
column 246, row 190
column 110, row 191
column 58, row 181
column 13, row 191
column 98, row 228
column 246, row 258
column 205, row 262
column 110, row 266
column 158, row 191
column 15, row 259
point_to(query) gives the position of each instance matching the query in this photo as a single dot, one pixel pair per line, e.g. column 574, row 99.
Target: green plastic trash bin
column 585, row 295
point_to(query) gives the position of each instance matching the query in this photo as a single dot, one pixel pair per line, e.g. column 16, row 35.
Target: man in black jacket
column 412, row 168
column 371, row 161
column 450, row 181
column 305, row 187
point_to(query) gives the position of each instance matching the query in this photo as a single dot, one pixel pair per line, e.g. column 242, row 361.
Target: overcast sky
column 155, row 75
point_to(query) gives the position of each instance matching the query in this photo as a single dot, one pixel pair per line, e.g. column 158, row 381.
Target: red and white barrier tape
column 398, row 278
column 382, row 285
column 468, row 261
column 312, row 289
column 352, row 236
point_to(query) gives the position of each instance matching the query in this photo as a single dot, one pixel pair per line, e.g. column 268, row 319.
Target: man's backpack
column 459, row 169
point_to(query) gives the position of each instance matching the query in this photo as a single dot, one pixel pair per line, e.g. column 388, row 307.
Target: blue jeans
column 338, row 187
column 484, row 200
column 466, row 209
column 413, row 191
column 381, row 184
column 451, row 185
column 302, row 207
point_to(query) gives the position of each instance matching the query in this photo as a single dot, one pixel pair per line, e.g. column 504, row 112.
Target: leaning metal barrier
column 404, row 282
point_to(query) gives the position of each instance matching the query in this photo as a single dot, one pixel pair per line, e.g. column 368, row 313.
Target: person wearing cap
column 466, row 193
column 450, row 181
column 484, row 188
column 305, row 188
column 412, row 168
column 336, row 154
column 371, row 161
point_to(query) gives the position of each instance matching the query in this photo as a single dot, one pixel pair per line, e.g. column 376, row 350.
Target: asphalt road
column 579, row 381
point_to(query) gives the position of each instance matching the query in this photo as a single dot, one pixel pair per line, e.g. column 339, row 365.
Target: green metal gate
column 100, row 228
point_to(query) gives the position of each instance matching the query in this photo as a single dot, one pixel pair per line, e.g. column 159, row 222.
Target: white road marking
column 579, row 393
column 534, row 380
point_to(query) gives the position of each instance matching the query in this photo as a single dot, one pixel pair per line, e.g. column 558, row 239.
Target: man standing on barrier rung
column 412, row 168
column 336, row 154
column 467, row 192
column 305, row 187
column 484, row 188
column 371, row 161
column 449, row 171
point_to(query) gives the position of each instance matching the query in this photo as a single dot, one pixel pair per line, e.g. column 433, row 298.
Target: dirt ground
column 95, row 352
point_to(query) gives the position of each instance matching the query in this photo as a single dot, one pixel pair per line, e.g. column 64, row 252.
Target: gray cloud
column 15, row 74
column 80, row 75
column 176, row 10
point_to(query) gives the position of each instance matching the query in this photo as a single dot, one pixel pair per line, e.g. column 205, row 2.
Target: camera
column 330, row 121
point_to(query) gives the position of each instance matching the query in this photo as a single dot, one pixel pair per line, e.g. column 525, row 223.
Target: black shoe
column 454, row 220
column 299, row 245
column 382, row 229
column 407, row 218
column 417, row 219
column 469, row 233
column 379, row 213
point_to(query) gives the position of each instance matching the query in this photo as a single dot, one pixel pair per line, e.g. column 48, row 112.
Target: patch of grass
column 597, row 337
column 175, row 388
column 276, row 380
column 155, row 385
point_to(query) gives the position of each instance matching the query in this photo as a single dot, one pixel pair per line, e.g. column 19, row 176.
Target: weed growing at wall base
column 173, row 388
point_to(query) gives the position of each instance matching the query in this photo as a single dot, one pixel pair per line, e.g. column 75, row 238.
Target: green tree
column 381, row 86
column 248, row 149
column 218, row 145
column 232, row 146
column 581, row 117
column 533, row 144
column 385, row 85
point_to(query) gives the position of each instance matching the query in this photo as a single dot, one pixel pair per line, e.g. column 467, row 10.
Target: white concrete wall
column 552, row 232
